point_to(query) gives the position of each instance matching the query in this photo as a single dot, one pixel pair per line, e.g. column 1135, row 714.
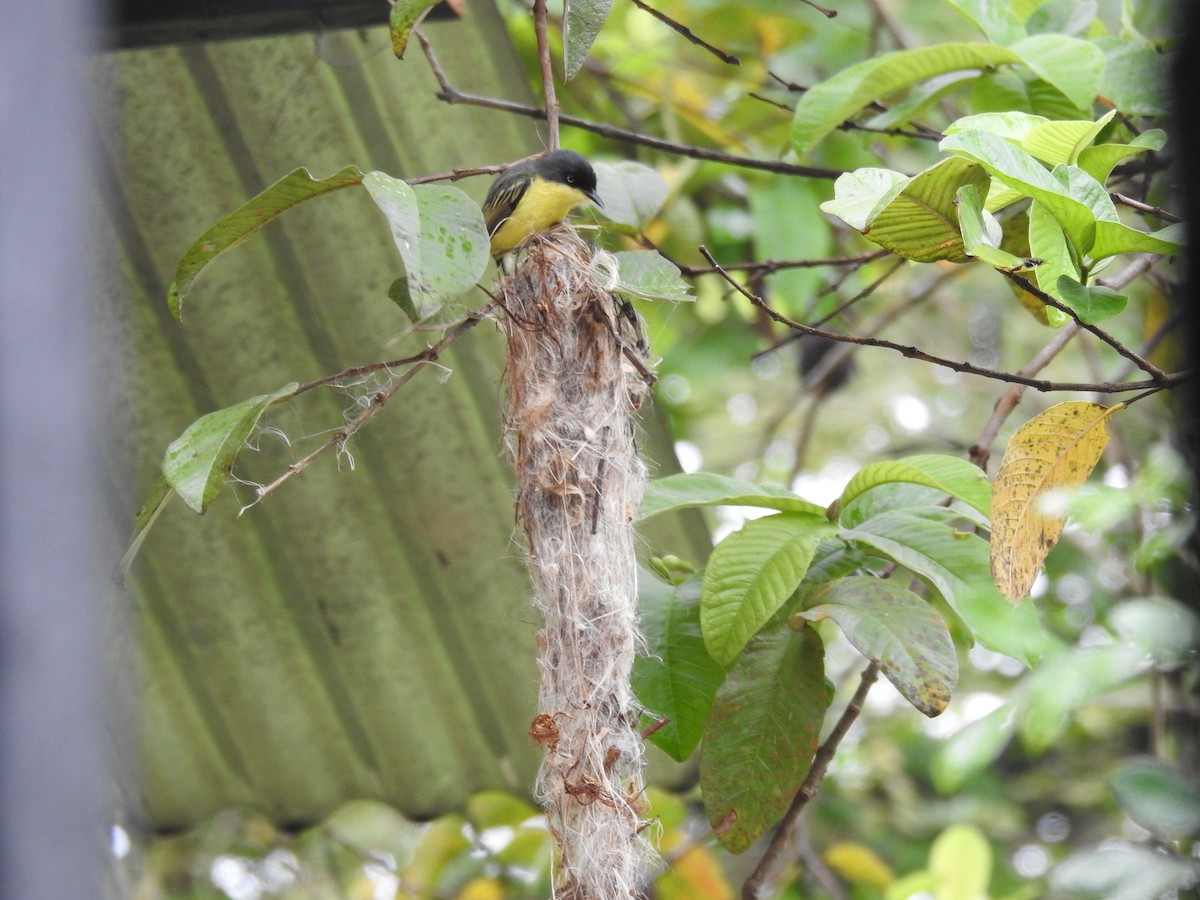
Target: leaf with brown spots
column 1057, row 449
column 895, row 628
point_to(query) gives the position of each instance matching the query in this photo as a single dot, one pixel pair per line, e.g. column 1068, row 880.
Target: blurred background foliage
column 1073, row 779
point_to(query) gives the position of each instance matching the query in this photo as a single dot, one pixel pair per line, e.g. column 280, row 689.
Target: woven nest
column 575, row 365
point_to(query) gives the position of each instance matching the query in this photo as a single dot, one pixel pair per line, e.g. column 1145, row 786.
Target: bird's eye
column 570, row 179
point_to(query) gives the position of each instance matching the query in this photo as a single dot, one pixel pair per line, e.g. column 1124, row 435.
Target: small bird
column 533, row 195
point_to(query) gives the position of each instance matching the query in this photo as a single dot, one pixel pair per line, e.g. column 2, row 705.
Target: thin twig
column 686, row 32
column 380, row 398
column 981, row 451
column 753, row 887
column 1156, row 211
column 551, row 100
column 827, row 13
column 450, row 94
column 766, row 268
column 1145, row 365
column 1169, row 380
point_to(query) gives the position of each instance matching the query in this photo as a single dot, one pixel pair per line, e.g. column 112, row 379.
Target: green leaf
column 1159, row 798
column 675, row 678
column 1091, row 304
column 198, row 462
column 788, row 224
column 993, row 18
column 147, row 515
column 1072, row 201
column 1066, row 679
column 706, row 489
column 1048, row 243
column 1117, row 237
column 921, row 222
column 826, row 105
column 762, row 734
column 399, row 294
column 648, row 275
column 898, row 630
column 289, row 191
column 949, row 474
column 1123, row 873
column 1136, row 77
column 982, row 234
column 751, row 573
column 962, row 859
column 403, row 19
column 1100, row 159
column 582, row 21
column 957, row 564
column 971, row 749
column 633, row 193
column 858, row 195
column 440, row 234
column 1058, row 143
column 1071, row 65
column 1011, row 125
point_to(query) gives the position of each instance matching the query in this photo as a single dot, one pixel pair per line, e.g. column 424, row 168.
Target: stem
column 756, row 883
column 543, row 44
column 688, row 33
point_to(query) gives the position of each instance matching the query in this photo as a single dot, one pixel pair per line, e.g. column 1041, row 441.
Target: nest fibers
column 576, row 376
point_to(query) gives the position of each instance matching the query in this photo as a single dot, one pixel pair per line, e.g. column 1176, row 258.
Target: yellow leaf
column 482, row 889
column 1055, row 449
column 696, row 875
column 859, row 864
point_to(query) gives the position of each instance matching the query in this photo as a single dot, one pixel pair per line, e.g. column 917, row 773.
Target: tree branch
column 551, row 100
column 686, row 32
column 379, row 399
column 1167, row 381
column 1025, row 284
column 753, row 887
column 449, row 94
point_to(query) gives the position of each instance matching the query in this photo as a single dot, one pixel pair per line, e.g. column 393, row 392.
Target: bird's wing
column 502, row 199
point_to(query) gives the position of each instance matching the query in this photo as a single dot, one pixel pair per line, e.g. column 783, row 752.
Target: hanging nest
column 576, row 375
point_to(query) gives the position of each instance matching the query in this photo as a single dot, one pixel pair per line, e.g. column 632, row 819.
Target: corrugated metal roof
column 365, row 631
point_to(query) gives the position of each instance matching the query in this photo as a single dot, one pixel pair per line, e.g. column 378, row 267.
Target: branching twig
column 550, row 98
column 686, row 32
column 379, row 399
column 827, row 13
column 754, row 885
column 1145, row 365
column 1168, row 380
column 450, row 94
column 982, row 449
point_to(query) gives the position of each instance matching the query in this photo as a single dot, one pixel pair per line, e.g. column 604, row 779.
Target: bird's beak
column 595, row 198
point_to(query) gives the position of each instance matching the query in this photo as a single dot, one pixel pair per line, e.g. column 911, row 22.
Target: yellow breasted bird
column 534, row 195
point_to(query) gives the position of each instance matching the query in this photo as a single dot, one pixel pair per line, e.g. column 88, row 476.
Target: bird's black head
column 568, row 167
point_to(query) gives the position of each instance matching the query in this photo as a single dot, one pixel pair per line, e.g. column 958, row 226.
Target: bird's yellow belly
column 543, row 205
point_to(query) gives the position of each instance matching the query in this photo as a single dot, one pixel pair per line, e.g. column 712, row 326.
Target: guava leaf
column 762, row 734
column 896, row 629
column 706, row 489
column 403, row 19
column 440, row 234
column 751, row 573
column 198, row 462
column 1057, row 448
column 633, row 193
column 582, row 21
column 648, row 275
column 949, row 474
column 676, row 678
column 289, row 191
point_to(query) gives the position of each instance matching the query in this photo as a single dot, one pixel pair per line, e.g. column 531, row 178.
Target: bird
column 533, row 195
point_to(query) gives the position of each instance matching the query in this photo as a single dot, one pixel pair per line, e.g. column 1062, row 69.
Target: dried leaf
column 1056, row 449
